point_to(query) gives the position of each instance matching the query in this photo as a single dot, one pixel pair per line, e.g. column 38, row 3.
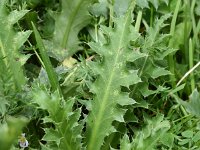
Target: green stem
column 192, row 80
column 196, row 38
column 96, row 32
column 138, row 21
column 192, row 16
column 194, row 26
column 36, row 53
column 172, row 30
column 151, row 18
column 186, row 28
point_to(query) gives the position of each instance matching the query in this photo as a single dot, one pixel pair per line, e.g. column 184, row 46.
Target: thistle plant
column 105, row 74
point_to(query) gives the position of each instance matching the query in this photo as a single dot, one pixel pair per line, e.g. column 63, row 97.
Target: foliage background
column 100, row 74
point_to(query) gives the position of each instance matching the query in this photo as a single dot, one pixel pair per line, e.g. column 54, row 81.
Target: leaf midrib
column 69, row 24
column 107, row 90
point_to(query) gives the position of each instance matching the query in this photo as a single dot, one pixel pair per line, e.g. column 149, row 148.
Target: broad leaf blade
column 73, row 17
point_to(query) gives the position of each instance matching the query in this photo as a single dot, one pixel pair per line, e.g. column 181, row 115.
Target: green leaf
column 168, row 139
column 144, row 90
column 154, row 38
column 67, row 130
column 155, row 3
column 100, row 8
column 20, row 38
column 177, row 89
column 10, row 42
column 194, row 104
column 197, row 9
column 151, row 134
column 112, row 74
column 184, row 141
column 15, row 16
column 121, row 6
column 152, row 67
column 137, row 55
column 196, row 137
column 52, row 135
column 130, row 116
column 187, row 134
column 178, row 37
column 143, row 3
column 3, row 106
column 123, row 99
column 10, row 131
column 125, row 143
column 47, row 63
column 157, row 72
column 73, row 17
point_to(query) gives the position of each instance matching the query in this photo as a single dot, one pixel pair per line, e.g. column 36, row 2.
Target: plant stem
column 186, row 28
column 138, row 21
column 192, row 80
column 187, row 73
column 192, row 16
column 170, row 58
column 151, row 18
column 196, row 38
column 96, row 32
column 36, row 53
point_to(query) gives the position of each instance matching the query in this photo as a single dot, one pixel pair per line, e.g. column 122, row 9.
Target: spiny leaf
column 20, row 38
column 121, row 6
column 113, row 74
column 152, row 66
column 67, row 131
column 10, row 42
column 102, row 7
column 157, row 72
column 153, row 32
column 148, row 137
column 15, row 15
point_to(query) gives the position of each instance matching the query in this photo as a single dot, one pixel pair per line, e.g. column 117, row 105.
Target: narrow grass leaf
column 47, row 63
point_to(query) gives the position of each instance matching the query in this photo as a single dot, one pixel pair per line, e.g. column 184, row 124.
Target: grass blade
column 47, row 63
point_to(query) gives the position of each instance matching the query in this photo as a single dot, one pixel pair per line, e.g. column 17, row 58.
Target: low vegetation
column 99, row 74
